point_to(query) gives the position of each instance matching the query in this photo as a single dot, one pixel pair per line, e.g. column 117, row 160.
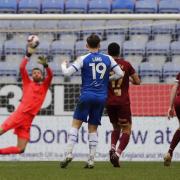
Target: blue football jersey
column 95, row 68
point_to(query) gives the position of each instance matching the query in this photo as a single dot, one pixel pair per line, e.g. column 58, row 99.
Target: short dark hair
column 36, row 68
column 114, row 49
column 93, row 41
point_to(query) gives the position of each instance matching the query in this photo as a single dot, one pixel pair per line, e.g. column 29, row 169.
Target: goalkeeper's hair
column 114, row 49
column 93, row 41
column 36, row 68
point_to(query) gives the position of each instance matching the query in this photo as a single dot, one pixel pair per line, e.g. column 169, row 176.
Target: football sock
column 114, row 138
column 174, row 142
column 93, row 141
column 72, row 139
column 10, row 150
column 124, row 140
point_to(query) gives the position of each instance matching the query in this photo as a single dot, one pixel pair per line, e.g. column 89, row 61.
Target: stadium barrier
column 149, row 139
column 90, row 16
column 146, row 100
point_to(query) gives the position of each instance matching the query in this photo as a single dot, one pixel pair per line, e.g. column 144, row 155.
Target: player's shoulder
column 106, row 55
column 125, row 65
column 123, row 61
column 82, row 57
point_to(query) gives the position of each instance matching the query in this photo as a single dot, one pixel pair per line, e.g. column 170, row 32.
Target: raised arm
column 29, row 51
column 68, row 71
column 49, row 74
column 23, row 71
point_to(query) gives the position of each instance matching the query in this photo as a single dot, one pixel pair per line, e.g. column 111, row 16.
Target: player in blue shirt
column 95, row 69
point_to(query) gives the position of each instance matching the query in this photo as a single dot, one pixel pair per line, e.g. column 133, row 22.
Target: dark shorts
column 116, row 113
column 177, row 106
column 90, row 106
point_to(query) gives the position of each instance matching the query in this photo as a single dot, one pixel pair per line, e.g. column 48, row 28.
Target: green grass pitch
column 102, row 171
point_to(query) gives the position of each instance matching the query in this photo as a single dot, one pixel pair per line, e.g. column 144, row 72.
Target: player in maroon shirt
column 118, row 105
column 174, row 104
column 34, row 92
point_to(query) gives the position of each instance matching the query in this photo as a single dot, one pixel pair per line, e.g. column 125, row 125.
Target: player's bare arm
column 134, row 79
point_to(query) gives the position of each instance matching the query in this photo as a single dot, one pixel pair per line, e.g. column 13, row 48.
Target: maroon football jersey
column 178, row 80
column 118, row 90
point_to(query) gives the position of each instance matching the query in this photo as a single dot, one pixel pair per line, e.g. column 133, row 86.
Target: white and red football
column 33, row 41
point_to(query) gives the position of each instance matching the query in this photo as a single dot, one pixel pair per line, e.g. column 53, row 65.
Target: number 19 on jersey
column 99, row 68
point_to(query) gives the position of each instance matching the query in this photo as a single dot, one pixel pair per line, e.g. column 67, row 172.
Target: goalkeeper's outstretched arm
column 29, row 51
column 44, row 61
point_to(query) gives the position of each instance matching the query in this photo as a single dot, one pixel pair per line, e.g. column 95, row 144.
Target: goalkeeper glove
column 43, row 60
column 31, row 50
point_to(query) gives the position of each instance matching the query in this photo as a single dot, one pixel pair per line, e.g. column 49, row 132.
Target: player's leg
column 9, row 123
column 20, row 148
column 1, row 130
column 23, row 134
column 73, row 135
column 124, row 121
column 72, row 140
column 95, row 114
column 176, row 137
column 113, row 113
column 115, row 135
column 22, row 143
column 175, row 140
column 93, row 141
column 124, row 139
column 113, row 116
column 80, row 116
column 114, row 139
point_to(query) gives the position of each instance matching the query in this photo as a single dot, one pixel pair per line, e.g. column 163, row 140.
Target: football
column 33, row 41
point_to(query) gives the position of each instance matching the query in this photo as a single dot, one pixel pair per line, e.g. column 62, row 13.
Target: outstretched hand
column 31, row 50
column 31, row 46
column 43, row 60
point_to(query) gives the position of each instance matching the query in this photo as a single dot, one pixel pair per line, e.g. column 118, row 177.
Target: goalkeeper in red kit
column 34, row 92
column 118, row 105
column 174, row 105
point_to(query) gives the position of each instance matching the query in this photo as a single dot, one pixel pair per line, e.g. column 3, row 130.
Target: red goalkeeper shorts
column 117, row 112
column 20, row 122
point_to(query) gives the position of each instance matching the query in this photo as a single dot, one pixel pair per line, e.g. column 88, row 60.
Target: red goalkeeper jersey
column 118, row 90
column 33, row 93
